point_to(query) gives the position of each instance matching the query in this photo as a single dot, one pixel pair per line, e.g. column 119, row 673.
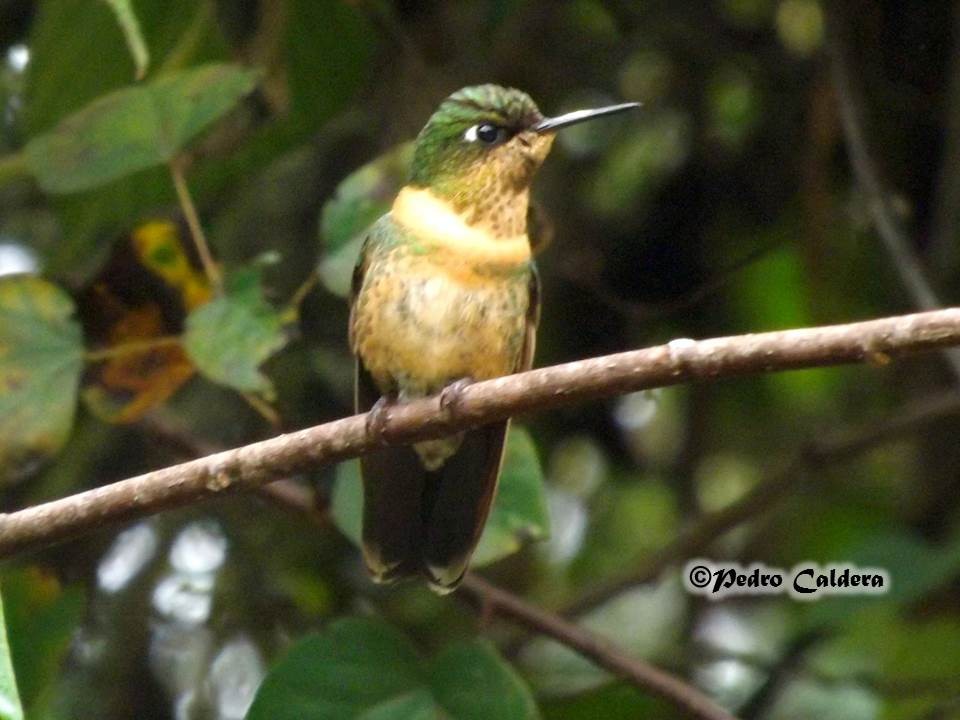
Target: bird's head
column 478, row 154
column 485, row 143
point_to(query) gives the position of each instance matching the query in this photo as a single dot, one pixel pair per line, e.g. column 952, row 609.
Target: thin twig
column 789, row 665
column 680, row 361
column 602, row 652
column 196, row 229
column 190, row 40
column 264, row 409
column 134, row 347
column 893, row 236
column 291, row 494
column 300, row 294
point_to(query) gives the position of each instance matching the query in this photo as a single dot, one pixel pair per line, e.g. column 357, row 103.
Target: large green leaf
column 365, row 669
column 10, row 708
column 134, row 128
column 78, row 53
column 472, row 682
column 519, row 512
column 41, row 358
column 229, row 337
column 42, row 617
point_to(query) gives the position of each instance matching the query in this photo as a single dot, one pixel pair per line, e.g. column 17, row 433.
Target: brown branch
column 677, row 362
column 285, row 492
column 606, row 655
column 704, row 530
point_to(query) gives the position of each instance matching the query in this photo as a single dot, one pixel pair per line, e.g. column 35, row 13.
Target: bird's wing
column 393, row 478
column 458, row 499
column 533, row 320
column 393, row 487
column 356, row 284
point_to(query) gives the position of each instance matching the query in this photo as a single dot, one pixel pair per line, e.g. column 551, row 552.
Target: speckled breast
column 425, row 319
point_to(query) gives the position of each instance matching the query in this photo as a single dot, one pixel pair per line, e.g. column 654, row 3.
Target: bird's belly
column 424, row 331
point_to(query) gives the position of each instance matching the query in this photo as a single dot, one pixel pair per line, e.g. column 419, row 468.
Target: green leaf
column 784, row 268
column 915, row 568
column 343, row 58
column 354, row 666
column 519, row 511
column 10, row 708
column 229, row 337
column 617, row 510
column 134, row 128
column 127, row 20
column 364, row 669
column 77, row 56
column 41, row 359
column 472, row 682
column 361, row 198
column 42, row 617
column 613, row 701
column 346, row 502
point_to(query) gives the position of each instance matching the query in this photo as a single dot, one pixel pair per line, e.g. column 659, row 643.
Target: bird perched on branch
column 446, row 293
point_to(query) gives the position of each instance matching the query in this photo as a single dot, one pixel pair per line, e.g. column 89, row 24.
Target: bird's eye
column 486, row 133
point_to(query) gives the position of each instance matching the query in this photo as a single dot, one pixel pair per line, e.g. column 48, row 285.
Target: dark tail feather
column 421, row 522
column 393, row 483
column 457, row 501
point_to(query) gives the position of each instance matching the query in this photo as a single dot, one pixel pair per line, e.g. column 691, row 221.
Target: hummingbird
column 446, row 293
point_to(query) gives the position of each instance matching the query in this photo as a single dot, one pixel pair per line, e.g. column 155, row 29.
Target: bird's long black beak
column 578, row 116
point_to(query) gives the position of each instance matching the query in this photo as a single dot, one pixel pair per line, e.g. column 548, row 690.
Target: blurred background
column 728, row 205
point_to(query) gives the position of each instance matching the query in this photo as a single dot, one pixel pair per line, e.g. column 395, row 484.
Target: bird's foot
column 452, row 394
column 377, row 418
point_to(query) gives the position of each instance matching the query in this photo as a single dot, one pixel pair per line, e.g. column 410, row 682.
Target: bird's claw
column 451, row 395
column 377, row 418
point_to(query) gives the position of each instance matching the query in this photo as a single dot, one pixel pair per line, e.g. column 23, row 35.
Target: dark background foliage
column 727, row 205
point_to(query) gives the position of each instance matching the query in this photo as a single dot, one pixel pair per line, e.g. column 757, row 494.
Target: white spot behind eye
column 471, row 134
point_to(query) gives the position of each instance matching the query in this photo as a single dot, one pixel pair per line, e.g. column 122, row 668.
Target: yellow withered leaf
column 132, row 312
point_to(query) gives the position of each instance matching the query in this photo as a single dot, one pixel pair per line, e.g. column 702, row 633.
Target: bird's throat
column 436, row 222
